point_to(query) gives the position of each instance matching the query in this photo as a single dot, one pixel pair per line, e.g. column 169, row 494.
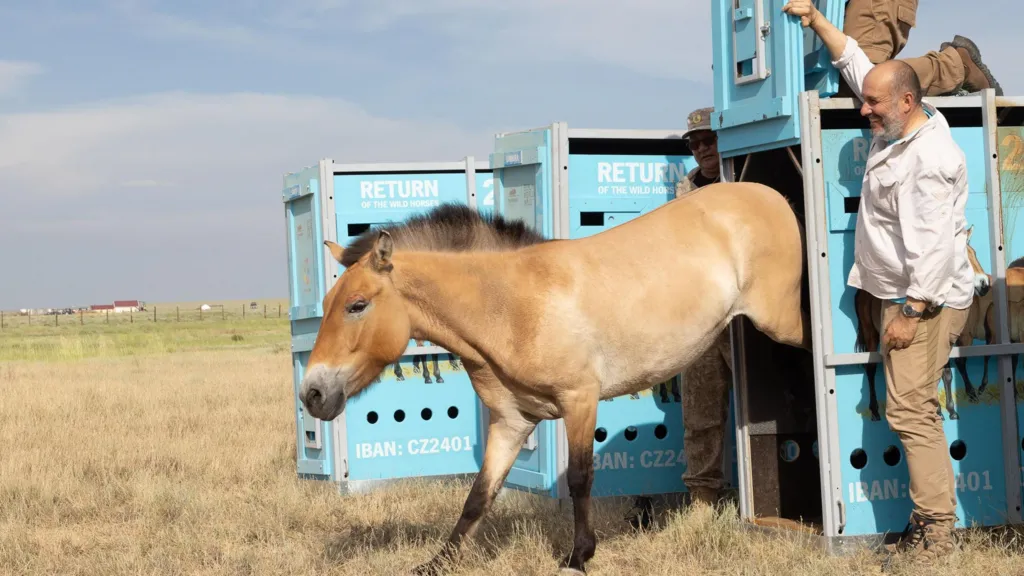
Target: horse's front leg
column 580, row 415
column 505, row 436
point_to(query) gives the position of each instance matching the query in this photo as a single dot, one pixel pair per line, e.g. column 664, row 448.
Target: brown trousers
column 882, row 28
column 912, row 376
column 705, row 395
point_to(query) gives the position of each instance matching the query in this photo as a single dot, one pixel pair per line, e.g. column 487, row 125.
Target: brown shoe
column 922, row 544
column 977, row 76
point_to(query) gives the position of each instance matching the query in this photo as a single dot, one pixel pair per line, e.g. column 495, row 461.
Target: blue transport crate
column 842, row 452
column 572, row 183
column 811, row 443
column 422, row 417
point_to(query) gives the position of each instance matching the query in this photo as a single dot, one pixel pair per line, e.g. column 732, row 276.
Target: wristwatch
column 910, row 312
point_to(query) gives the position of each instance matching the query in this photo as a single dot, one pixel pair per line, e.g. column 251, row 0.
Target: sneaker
column 922, row 543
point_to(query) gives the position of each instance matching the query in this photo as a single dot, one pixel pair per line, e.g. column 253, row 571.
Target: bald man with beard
column 910, row 253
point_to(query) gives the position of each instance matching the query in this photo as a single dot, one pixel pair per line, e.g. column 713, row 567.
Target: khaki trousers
column 882, row 28
column 912, row 376
column 705, row 398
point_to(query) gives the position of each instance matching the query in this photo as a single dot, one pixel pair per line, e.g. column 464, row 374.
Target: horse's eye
column 357, row 307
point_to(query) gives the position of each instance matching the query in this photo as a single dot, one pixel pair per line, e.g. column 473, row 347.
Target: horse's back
column 744, row 215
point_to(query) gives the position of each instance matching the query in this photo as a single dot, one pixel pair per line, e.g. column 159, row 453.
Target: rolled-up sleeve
column 853, row 64
column 926, row 224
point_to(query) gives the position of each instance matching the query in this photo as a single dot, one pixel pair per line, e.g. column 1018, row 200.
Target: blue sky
column 142, row 143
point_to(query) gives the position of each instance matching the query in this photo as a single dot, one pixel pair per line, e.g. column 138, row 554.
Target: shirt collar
column 929, row 111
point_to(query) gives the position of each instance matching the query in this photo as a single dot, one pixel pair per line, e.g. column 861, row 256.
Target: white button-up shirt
column 910, row 236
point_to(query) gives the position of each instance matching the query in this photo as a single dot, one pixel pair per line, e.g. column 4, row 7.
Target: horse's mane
column 449, row 227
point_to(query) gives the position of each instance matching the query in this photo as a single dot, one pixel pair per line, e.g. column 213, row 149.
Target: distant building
column 121, row 306
column 101, row 307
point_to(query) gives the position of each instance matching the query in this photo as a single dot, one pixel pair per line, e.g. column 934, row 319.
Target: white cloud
column 192, row 144
column 14, row 74
column 660, row 38
column 178, row 195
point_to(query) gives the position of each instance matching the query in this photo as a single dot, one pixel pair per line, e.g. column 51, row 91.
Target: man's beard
column 891, row 127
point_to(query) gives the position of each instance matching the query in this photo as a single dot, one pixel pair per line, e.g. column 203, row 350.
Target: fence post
column 177, row 314
column 243, row 311
column 131, row 316
column 29, row 317
column 1, row 319
column 108, row 316
column 154, row 313
column 81, row 317
column 278, row 310
column 264, row 311
column 222, row 315
column 56, row 322
column 200, row 313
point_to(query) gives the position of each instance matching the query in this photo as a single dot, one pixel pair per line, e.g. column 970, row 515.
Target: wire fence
column 10, row 320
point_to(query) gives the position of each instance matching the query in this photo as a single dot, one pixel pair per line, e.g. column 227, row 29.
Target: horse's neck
column 447, row 301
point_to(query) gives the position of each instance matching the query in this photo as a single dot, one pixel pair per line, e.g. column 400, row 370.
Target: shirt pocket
column 883, row 190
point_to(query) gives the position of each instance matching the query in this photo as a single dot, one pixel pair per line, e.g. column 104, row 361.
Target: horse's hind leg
column 776, row 308
column 505, row 436
column 579, row 411
column 947, row 381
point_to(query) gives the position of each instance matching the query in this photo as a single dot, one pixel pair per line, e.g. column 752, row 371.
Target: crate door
column 763, row 59
column 522, row 185
column 304, row 233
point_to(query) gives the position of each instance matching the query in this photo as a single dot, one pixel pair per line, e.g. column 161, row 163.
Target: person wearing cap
column 707, row 382
column 703, row 142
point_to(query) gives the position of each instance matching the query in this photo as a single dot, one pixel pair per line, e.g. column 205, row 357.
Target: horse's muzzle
column 323, row 392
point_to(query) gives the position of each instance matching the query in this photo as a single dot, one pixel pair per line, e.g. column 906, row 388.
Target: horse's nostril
column 313, row 397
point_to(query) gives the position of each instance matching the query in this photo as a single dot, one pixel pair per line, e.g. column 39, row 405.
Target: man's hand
column 805, row 9
column 901, row 329
column 899, row 333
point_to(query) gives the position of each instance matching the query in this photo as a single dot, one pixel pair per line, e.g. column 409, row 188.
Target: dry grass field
column 168, row 448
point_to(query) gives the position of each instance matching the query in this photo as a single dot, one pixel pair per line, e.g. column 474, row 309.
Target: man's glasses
column 696, row 143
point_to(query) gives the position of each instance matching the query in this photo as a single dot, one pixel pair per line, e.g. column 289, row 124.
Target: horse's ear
column 380, row 258
column 336, row 251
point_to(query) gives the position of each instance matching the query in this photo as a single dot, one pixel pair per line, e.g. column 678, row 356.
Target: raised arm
column 846, row 55
column 832, row 37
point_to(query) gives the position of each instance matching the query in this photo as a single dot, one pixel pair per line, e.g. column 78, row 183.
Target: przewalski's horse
column 868, row 310
column 546, row 329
